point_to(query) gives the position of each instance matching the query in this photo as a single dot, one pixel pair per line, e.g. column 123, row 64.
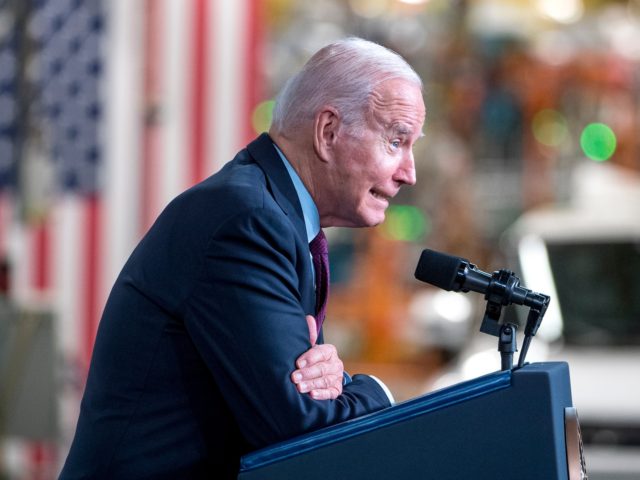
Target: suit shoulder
column 235, row 188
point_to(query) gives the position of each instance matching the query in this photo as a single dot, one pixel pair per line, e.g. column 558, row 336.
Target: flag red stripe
column 199, row 94
column 151, row 130
column 41, row 246
column 5, row 220
column 91, row 274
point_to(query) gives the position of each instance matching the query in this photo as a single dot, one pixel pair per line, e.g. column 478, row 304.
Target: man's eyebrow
column 405, row 130
column 400, row 129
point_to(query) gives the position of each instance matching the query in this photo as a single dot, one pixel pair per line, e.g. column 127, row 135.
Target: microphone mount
column 504, row 289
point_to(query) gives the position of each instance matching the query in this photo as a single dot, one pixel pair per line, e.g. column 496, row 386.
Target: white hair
column 343, row 75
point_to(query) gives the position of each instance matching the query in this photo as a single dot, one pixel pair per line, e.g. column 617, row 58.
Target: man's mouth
column 379, row 195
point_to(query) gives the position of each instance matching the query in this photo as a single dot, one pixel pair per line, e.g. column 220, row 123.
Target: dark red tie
column 320, row 254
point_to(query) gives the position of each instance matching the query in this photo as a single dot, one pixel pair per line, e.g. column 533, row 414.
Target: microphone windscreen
column 438, row 269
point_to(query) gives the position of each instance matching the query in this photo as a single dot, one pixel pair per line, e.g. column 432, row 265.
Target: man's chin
column 359, row 220
column 375, row 220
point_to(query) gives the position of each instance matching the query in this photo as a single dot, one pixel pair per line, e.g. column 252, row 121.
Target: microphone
column 459, row 275
column 499, row 289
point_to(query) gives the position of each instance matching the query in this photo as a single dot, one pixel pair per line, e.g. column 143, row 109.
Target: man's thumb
column 313, row 329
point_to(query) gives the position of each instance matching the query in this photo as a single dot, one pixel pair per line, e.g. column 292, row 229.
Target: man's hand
column 320, row 371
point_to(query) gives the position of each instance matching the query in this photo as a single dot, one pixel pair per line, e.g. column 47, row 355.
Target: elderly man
column 207, row 346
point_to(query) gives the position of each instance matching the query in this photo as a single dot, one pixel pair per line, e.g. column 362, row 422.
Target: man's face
column 370, row 168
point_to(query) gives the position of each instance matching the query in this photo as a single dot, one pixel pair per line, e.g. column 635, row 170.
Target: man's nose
column 406, row 172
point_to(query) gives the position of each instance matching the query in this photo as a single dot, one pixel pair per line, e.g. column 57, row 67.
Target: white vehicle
column 587, row 258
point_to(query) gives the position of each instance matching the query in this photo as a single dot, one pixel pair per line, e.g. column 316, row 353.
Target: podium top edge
column 400, row 412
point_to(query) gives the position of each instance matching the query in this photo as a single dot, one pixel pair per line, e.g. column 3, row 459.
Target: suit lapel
column 284, row 193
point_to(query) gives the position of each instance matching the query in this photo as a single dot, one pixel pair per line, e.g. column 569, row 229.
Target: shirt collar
column 309, row 209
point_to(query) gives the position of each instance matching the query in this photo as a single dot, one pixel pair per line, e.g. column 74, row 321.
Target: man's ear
column 325, row 132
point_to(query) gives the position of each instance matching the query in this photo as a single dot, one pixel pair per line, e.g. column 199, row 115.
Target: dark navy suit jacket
column 192, row 361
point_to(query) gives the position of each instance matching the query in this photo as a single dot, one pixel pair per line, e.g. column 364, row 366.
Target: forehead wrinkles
column 392, row 107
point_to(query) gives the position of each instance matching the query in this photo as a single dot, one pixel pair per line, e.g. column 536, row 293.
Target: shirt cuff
column 385, row 389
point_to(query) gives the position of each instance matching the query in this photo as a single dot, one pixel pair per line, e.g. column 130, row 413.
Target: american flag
column 107, row 111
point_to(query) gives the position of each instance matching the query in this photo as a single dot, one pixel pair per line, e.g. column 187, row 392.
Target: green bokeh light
column 550, row 127
column 261, row 116
column 598, row 142
column 405, row 223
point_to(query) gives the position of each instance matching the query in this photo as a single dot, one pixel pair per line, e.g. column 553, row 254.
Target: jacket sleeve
column 246, row 320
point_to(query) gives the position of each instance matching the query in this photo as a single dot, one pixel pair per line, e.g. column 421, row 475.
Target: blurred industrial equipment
column 586, row 255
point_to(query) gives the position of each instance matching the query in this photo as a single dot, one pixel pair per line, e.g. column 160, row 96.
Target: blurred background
column 531, row 161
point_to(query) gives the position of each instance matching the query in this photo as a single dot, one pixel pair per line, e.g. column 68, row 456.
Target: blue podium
column 506, row 425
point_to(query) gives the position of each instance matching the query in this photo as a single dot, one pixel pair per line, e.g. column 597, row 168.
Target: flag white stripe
column 69, row 245
column 123, row 133
column 228, row 37
column 20, row 246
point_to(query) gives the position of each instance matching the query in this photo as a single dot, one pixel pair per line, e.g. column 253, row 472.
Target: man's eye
column 395, row 144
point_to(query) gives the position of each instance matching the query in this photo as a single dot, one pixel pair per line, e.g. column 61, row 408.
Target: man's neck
column 299, row 158
column 309, row 208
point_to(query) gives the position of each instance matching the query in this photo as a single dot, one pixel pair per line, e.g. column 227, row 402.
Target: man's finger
column 318, row 370
column 325, row 394
column 328, row 381
column 317, row 354
column 310, row 373
column 313, row 329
